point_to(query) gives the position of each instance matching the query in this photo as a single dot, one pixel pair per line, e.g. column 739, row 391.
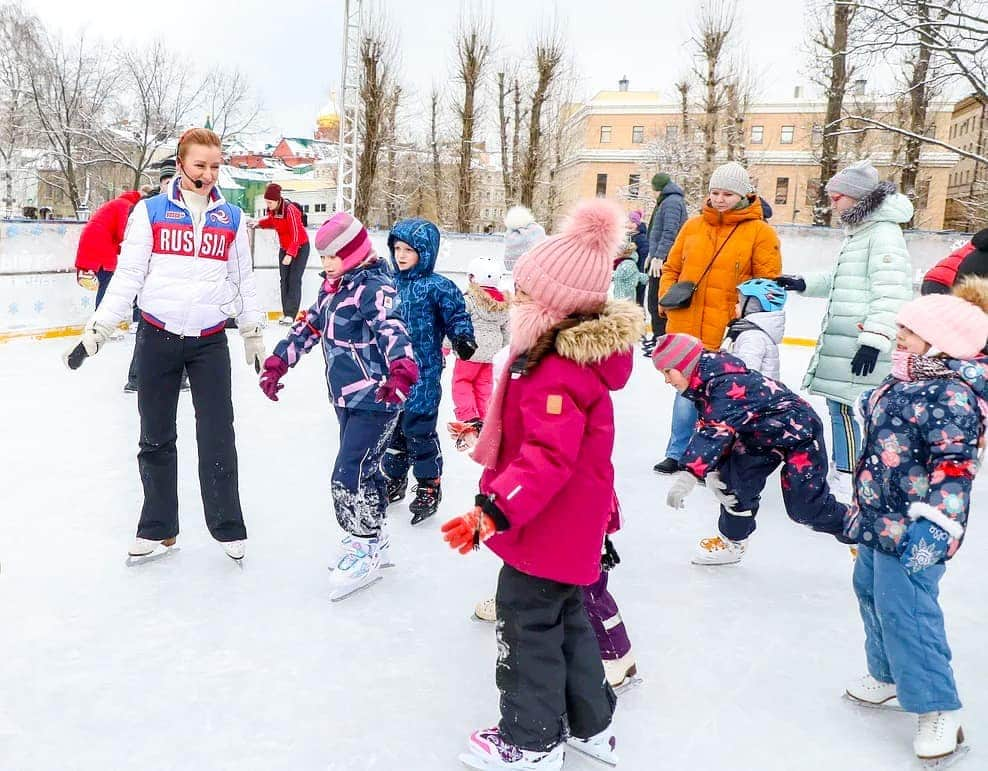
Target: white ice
column 189, row 663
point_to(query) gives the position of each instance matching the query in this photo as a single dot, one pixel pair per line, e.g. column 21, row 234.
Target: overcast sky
column 290, row 49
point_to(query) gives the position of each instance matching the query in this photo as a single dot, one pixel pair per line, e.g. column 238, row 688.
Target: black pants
column 415, row 445
column 291, row 280
column 159, row 373
column 652, row 301
column 360, row 490
column 135, row 356
column 548, row 668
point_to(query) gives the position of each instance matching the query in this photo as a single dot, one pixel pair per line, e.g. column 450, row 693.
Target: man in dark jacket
column 970, row 259
column 667, row 218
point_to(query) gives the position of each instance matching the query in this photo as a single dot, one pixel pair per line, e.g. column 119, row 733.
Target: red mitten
column 469, row 531
column 274, row 370
column 402, row 375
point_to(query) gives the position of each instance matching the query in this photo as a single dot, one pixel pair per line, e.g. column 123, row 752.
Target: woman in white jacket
column 870, row 281
column 187, row 260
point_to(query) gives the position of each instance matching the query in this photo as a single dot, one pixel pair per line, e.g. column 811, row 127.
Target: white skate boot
column 719, row 551
column 841, row 485
column 489, row 750
column 621, row 673
column 486, row 610
column 235, row 550
column 871, row 692
column 357, row 568
column 148, row 550
column 599, row 747
column 383, row 549
column 938, row 736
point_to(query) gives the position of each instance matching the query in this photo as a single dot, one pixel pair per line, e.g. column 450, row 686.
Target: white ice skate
column 841, row 485
column 939, row 737
column 719, row 551
column 235, row 550
column 486, row 610
column 383, row 549
column 286, row 321
column 488, row 750
column 358, row 568
column 870, row 692
column 622, row 673
column 147, row 550
column 599, row 747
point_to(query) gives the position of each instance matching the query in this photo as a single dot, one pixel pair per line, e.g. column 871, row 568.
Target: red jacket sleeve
column 99, row 242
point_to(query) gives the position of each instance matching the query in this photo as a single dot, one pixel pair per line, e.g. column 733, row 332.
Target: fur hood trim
column 487, row 303
column 867, row 206
column 974, row 290
column 616, row 330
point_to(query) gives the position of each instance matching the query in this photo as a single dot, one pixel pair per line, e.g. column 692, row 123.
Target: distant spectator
column 293, row 251
column 99, row 242
column 667, row 218
column 941, row 278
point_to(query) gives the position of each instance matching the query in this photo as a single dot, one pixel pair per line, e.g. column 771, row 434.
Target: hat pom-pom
column 598, row 225
column 518, row 217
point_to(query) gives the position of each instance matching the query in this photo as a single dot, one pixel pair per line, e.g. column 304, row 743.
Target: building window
column 782, row 191
column 812, row 191
column 320, row 207
column 633, row 182
column 601, row 185
column 672, row 132
column 305, row 208
column 788, row 132
column 923, row 194
column 637, row 135
column 605, row 134
column 757, row 135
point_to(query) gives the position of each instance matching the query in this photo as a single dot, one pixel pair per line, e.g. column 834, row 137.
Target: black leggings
column 291, row 280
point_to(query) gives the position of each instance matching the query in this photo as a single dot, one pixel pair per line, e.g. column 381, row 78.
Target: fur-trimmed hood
column 485, row 303
column 883, row 204
column 616, row 330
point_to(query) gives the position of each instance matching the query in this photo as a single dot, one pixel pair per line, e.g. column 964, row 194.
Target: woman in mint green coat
column 871, row 279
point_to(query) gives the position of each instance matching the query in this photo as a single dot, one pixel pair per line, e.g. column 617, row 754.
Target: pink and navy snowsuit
column 748, row 425
column 362, row 332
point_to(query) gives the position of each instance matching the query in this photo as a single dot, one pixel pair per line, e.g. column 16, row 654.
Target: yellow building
column 621, row 138
column 967, row 191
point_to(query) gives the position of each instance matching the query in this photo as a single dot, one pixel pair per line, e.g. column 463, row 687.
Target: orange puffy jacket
column 751, row 252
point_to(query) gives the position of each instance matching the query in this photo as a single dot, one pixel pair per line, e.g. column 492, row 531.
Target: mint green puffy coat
column 870, row 281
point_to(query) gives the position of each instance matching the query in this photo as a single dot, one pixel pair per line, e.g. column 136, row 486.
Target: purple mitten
column 274, row 370
column 402, row 375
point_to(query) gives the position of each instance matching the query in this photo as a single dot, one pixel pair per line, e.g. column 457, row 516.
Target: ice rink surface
column 189, row 663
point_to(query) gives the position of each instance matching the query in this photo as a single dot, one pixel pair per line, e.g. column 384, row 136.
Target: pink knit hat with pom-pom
column 344, row 236
column 571, row 271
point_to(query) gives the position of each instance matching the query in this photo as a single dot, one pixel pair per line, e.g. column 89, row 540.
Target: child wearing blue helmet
column 755, row 334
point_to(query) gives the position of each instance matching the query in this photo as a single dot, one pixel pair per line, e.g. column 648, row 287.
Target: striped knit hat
column 345, row 237
column 679, row 352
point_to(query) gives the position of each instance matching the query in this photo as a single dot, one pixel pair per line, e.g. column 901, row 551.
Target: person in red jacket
column 293, row 252
column 547, row 492
column 99, row 242
column 941, row 278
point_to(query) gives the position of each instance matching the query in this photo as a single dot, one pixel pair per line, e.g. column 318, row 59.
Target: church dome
column 329, row 115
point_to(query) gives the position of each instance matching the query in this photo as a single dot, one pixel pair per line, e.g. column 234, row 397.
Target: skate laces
column 713, row 544
column 358, row 552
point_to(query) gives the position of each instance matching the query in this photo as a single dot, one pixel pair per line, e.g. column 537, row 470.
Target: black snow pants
column 291, row 280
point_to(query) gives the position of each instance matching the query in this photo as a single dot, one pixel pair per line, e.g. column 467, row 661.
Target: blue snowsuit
column 434, row 309
column 920, row 455
column 747, row 426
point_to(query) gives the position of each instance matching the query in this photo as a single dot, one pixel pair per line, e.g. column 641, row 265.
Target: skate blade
column 239, row 561
column 715, row 564
column 579, row 750
column 935, row 764
column 342, row 594
column 479, row 620
column 628, row 684
column 892, row 705
column 133, row 560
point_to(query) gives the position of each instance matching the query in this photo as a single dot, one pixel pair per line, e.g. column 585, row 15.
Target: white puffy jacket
column 759, row 348
column 187, row 276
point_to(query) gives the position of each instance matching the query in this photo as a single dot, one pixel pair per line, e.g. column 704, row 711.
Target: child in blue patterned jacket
column 924, row 435
column 433, row 308
column 370, row 370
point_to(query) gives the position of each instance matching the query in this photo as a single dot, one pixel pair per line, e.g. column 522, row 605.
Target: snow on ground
column 189, row 663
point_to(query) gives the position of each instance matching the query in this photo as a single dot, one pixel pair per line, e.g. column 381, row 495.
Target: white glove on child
column 253, row 338
column 683, row 483
column 719, row 488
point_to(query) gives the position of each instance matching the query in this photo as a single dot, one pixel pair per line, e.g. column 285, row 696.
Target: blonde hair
column 197, row 136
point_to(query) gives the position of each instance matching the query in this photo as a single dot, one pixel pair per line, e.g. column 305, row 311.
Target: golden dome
column 329, row 115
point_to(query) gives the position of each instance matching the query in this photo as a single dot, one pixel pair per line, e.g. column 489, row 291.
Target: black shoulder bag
column 680, row 294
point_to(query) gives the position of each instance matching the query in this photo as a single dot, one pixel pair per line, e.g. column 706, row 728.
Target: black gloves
column 792, row 283
column 864, row 360
column 465, row 347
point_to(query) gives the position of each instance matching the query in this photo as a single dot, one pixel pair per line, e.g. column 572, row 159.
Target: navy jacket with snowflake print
column 433, row 308
column 735, row 404
column 921, row 446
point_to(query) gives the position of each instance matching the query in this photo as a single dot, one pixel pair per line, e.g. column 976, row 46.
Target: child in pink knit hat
column 370, row 369
column 547, row 494
column 924, row 435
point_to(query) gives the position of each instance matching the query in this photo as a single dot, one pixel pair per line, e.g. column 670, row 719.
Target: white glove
column 655, row 270
column 719, row 488
column 95, row 335
column 682, row 485
column 253, row 339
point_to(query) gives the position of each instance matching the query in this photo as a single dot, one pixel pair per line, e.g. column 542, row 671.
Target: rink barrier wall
column 39, row 297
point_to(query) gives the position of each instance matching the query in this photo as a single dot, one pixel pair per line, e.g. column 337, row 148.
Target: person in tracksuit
column 433, row 308
column 285, row 218
column 370, row 370
column 187, row 259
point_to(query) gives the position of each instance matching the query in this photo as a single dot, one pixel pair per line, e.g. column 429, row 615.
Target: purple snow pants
column 605, row 618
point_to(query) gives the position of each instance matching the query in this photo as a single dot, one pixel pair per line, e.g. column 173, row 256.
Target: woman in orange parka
column 732, row 239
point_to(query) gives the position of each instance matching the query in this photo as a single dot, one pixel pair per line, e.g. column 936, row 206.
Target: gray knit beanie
column 522, row 233
column 732, row 177
column 856, row 181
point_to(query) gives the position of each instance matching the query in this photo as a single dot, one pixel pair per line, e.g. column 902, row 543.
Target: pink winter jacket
column 553, row 478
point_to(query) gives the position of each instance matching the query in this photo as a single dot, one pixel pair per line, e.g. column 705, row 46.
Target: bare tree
column 377, row 65
column 434, row 142
column 712, row 34
column 549, row 50
column 18, row 40
column 473, row 46
column 679, row 157
column 503, row 120
column 230, row 103
column 683, row 87
column 393, row 198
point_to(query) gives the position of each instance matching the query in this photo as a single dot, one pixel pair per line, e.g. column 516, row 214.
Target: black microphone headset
column 196, row 182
